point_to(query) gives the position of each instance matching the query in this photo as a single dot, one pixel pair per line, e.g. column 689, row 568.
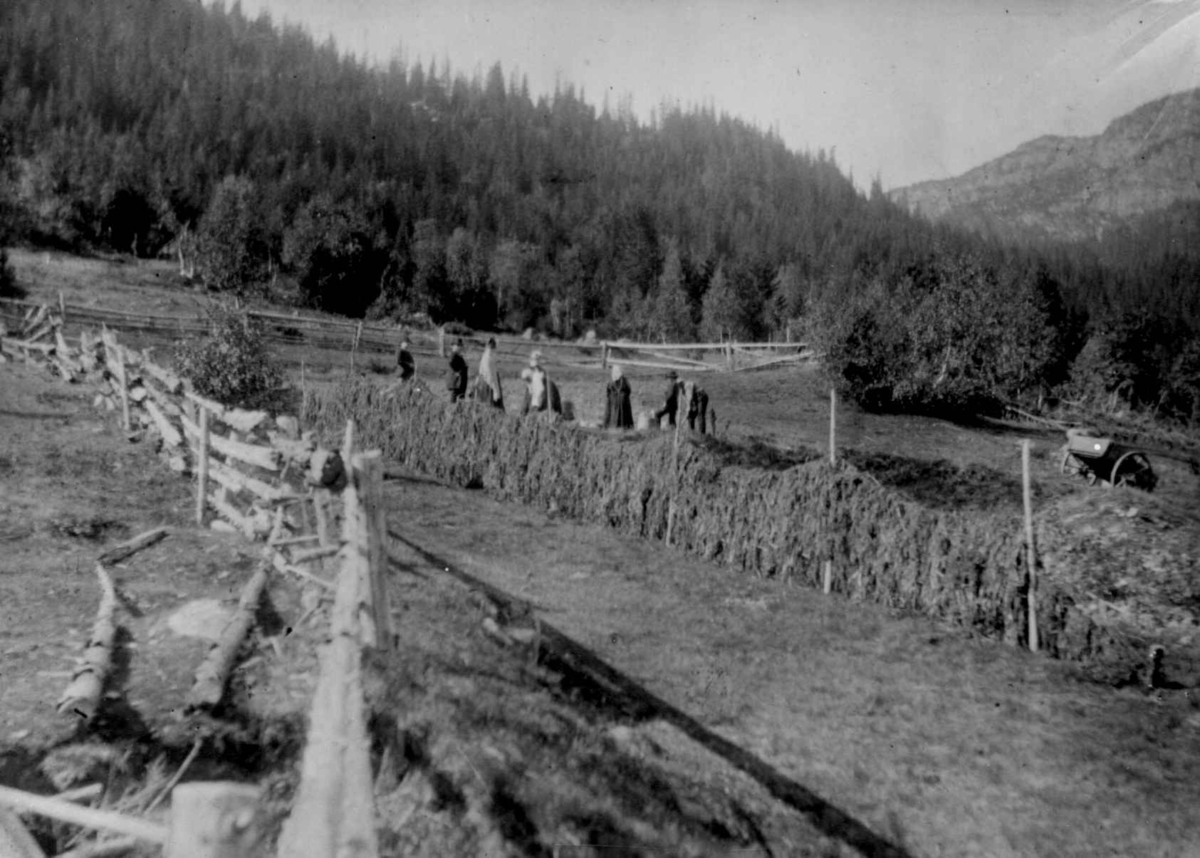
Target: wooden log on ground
column 213, row 673
column 82, row 695
column 238, row 482
column 130, row 547
column 170, row 435
column 262, row 457
column 53, row 807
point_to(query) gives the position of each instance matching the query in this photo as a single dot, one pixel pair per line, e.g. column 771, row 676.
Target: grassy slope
column 953, row 746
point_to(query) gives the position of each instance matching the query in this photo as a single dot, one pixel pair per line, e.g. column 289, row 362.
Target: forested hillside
column 285, row 169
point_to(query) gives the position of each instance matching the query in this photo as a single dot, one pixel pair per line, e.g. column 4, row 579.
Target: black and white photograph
column 596, row 428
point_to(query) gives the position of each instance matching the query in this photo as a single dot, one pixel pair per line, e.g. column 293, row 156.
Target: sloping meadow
column 761, row 512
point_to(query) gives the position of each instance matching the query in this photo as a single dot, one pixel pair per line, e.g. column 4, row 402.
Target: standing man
column 456, row 381
column 670, row 400
column 405, row 364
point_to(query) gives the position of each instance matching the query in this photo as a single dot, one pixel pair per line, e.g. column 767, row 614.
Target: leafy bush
column 948, row 336
column 231, row 363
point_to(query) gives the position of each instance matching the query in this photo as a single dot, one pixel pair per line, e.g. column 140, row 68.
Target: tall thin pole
column 202, row 467
column 832, row 426
column 1030, row 553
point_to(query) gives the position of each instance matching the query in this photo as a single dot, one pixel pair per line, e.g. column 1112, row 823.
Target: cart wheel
column 1133, row 469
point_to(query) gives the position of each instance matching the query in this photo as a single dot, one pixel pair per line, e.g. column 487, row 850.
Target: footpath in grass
column 936, row 742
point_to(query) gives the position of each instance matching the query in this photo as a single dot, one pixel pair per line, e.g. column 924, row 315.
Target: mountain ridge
column 1076, row 188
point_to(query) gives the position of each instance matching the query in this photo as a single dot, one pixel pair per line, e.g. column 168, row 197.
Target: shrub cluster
column 231, row 363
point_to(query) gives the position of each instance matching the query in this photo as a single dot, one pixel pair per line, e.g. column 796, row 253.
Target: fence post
column 368, row 479
column 124, row 384
column 1030, row 552
column 604, row 358
column 202, row 467
column 832, row 426
column 62, row 309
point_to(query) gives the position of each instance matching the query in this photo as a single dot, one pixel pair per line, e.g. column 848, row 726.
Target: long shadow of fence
column 628, row 696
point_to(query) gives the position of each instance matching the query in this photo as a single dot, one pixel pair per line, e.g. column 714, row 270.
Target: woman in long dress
column 618, row 410
column 487, row 382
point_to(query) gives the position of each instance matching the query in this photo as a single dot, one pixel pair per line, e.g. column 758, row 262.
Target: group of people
column 541, row 394
column 680, row 398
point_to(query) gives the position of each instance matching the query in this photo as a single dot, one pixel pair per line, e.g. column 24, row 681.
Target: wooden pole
column 88, row 817
column 604, row 357
column 62, row 309
column 827, row 577
column 368, row 470
column 832, row 426
column 214, row 671
column 1030, row 552
column 202, row 468
column 123, row 384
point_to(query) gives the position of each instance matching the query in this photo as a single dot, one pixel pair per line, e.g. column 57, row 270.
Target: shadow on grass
column 602, row 685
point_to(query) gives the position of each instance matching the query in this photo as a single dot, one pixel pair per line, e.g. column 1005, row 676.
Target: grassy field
column 797, row 709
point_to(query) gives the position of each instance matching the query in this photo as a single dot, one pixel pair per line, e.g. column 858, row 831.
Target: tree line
column 290, row 171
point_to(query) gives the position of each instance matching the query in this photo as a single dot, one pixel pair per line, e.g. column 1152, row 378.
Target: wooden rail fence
column 270, row 482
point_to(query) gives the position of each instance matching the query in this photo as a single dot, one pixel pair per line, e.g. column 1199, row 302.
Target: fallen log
column 314, row 554
column 213, row 673
column 82, row 695
column 120, row 552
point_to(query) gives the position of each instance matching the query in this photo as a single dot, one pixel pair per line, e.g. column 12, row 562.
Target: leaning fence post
column 202, row 467
column 1030, row 553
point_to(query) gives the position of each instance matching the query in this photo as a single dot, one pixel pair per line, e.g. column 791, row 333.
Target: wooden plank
column 214, row 407
column 87, row 817
column 280, row 563
column 245, row 523
column 237, row 481
column 170, row 435
column 169, row 380
column 251, row 454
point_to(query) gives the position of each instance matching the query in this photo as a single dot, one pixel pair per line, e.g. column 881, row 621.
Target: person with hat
column 670, row 400
column 405, row 364
column 456, row 380
column 618, row 411
column 487, row 382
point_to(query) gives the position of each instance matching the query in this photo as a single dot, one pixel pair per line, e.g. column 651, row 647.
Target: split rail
column 267, row 481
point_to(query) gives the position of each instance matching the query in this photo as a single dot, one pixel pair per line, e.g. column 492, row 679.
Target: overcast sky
column 906, row 89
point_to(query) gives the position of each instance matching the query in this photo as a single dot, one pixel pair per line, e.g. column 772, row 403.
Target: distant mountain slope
column 1077, row 188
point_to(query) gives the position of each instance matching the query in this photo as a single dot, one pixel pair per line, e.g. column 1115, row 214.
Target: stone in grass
column 222, row 526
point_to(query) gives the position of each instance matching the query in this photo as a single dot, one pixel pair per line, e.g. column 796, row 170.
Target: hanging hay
column 774, row 514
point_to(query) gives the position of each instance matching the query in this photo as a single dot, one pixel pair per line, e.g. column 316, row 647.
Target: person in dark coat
column 618, row 411
column 405, row 364
column 670, row 400
column 697, row 406
column 456, row 381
